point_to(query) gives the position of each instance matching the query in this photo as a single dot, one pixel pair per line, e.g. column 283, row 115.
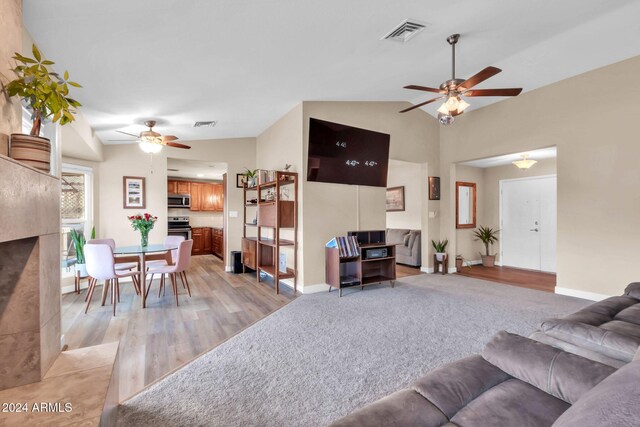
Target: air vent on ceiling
column 404, row 32
column 173, row 170
column 208, row 124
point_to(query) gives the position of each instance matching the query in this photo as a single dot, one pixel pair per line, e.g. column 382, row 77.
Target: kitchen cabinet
column 178, row 187
column 196, row 191
column 205, row 196
column 217, row 242
column 171, row 186
column 207, row 241
column 197, row 234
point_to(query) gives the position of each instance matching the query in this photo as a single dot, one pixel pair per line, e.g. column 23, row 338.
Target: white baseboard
column 426, row 269
column 308, row 289
column 593, row 296
column 228, row 269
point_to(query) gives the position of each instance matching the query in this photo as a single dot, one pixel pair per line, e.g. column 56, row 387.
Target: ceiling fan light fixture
column 443, row 109
column 445, row 119
column 150, row 147
column 525, row 162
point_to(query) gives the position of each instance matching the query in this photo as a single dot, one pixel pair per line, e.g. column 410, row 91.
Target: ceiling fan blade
column 167, row 138
column 479, row 77
column 493, row 92
column 421, row 104
column 426, row 89
column 177, row 145
column 127, row 133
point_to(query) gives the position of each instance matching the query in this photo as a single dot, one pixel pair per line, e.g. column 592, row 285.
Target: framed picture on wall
column 434, row 188
column 239, row 180
column 133, row 190
column 395, row 199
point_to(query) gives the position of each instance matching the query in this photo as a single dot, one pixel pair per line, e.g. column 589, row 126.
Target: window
column 76, row 211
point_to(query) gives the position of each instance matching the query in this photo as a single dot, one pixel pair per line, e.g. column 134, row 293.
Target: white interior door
column 528, row 230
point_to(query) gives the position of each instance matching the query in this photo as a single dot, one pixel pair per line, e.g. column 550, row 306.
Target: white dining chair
column 183, row 259
column 101, row 266
column 173, row 254
column 120, row 266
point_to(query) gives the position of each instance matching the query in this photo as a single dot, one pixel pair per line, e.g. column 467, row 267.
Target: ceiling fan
column 454, row 90
column 151, row 141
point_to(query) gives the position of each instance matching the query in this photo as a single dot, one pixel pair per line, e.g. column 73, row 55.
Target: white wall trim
column 228, row 269
column 593, row 296
column 426, row 269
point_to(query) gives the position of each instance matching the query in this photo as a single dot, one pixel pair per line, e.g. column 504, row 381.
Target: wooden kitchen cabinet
column 197, row 234
column 196, row 191
column 205, row 196
column 207, row 240
column 183, row 187
column 217, row 242
column 171, row 186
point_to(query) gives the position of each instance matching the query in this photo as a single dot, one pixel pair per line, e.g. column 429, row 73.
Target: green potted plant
column 488, row 236
column 440, row 246
column 78, row 242
column 47, row 95
column 250, row 177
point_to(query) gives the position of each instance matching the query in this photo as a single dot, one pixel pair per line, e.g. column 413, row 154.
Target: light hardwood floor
column 513, row 276
column 162, row 337
column 405, row 270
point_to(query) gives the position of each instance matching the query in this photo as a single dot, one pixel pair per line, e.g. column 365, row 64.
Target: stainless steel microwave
column 179, row 201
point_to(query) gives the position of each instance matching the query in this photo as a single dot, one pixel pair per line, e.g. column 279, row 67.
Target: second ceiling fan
column 454, row 89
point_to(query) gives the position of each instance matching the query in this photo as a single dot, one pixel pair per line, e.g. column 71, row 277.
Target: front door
column 528, row 229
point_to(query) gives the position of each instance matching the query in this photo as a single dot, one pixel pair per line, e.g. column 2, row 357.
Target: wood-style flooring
column 513, row 276
column 161, row 338
column 405, row 270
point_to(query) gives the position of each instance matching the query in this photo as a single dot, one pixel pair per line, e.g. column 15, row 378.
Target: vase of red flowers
column 143, row 223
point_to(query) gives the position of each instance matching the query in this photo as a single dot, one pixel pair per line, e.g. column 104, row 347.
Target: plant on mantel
column 46, row 94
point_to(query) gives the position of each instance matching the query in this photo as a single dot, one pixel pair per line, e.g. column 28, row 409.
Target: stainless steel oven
column 179, row 226
column 179, row 201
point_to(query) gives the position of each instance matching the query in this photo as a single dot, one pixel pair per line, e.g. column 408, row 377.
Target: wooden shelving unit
column 346, row 271
column 275, row 214
column 249, row 243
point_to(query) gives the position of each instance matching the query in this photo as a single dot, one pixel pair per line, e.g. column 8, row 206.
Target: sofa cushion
column 413, row 235
column 403, row 250
column 580, row 351
column 403, row 408
column 630, row 314
column 613, row 402
column 602, row 311
column 556, row 372
column 406, row 239
column 395, row 236
column 511, row 403
column 622, row 328
column 454, row 385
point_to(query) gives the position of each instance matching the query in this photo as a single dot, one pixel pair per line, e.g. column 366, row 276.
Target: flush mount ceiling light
column 149, row 147
column 525, row 162
column 453, row 90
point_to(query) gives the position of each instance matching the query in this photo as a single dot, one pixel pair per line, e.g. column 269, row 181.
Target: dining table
column 142, row 252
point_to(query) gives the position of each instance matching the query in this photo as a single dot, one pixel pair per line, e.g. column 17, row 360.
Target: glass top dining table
column 142, row 251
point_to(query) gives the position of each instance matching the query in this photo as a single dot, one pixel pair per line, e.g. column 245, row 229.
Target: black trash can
column 236, row 261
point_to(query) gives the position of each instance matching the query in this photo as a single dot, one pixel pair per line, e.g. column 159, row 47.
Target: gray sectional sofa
column 408, row 245
column 607, row 331
column 565, row 375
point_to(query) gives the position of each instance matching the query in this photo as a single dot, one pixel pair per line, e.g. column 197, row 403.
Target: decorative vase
column 82, row 269
column 33, row 151
column 144, row 238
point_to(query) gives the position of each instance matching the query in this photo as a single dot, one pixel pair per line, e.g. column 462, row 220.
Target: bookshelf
column 249, row 247
column 346, row 267
column 277, row 226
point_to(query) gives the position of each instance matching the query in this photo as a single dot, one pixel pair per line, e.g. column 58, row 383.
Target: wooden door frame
column 224, row 220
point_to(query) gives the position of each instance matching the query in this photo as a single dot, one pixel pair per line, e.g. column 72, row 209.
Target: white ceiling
column 195, row 169
column 246, row 63
column 491, row 162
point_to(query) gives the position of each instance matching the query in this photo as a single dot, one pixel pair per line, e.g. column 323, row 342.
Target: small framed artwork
column 239, row 180
column 133, row 190
column 434, row 188
column 395, row 199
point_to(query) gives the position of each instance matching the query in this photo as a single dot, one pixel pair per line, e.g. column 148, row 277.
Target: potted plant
column 47, row 95
column 440, row 246
column 250, row 177
column 78, row 243
column 488, row 236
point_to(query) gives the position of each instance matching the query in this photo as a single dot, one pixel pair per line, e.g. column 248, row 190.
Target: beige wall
column 466, row 245
column 129, row 160
column 10, row 42
column 407, row 175
column 597, row 140
column 491, row 197
column 333, row 209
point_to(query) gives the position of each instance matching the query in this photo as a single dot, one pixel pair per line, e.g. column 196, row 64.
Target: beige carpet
column 321, row 356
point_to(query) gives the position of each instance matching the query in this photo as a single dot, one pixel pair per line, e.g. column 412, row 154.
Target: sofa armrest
column 556, row 372
column 610, row 343
column 452, row 386
column 633, row 290
column 403, row 408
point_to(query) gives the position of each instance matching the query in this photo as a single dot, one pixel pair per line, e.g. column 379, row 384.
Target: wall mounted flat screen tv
column 347, row 155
